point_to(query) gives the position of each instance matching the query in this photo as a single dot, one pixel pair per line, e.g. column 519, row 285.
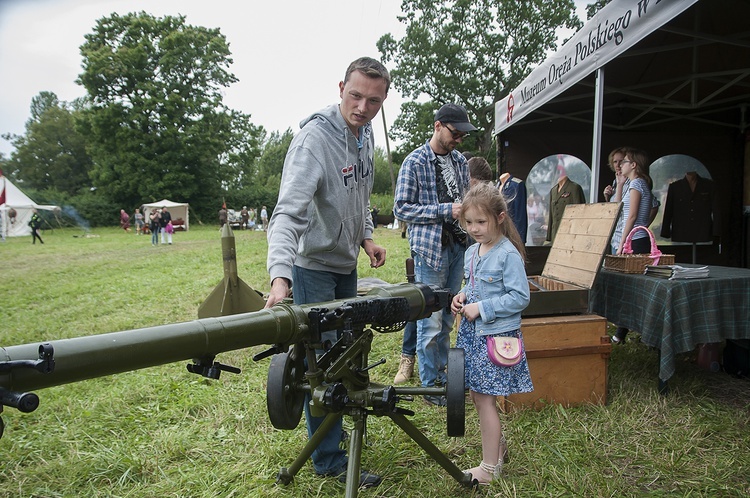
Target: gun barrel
column 88, row 357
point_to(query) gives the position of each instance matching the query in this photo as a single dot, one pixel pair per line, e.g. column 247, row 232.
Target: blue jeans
column 433, row 333
column 311, row 286
column 409, row 345
column 155, row 237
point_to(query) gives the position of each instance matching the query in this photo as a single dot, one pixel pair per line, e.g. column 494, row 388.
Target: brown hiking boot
column 405, row 369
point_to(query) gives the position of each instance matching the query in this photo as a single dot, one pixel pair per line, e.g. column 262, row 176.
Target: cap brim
column 464, row 127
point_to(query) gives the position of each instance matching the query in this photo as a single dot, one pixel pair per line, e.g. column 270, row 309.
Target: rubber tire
column 284, row 402
column 455, row 393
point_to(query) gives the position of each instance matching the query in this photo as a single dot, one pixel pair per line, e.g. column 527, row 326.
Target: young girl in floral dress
column 495, row 294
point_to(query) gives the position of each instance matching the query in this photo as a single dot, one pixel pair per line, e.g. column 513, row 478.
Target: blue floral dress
column 483, row 376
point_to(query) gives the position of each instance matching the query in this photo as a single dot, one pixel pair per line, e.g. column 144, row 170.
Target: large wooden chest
column 568, row 359
column 576, row 255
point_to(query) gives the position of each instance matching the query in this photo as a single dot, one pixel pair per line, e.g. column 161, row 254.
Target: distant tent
column 12, row 198
column 178, row 210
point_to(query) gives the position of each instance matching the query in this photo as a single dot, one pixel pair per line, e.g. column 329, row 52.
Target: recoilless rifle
column 337, row 380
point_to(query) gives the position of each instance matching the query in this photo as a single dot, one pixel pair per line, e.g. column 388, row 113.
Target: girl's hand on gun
column 458, row 303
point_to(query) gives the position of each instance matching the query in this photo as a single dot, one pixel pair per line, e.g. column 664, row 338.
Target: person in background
column 166, row 217
column 124, row 220
column 613, row 193
column 154, row 225
column 491, row 302
column 251, row 219
column 245, row 214
column 536, row 216
column 430, row 186
column 35, row 223
column 321, row 220
column 374, row 213
column 169, row 230
column 264, row 218
column 637, row 202
column 613, row 161
column 479, row 170
column 222, row 216
column 139, row 221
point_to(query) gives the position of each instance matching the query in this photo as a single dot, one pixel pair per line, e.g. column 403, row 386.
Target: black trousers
column 35, row 235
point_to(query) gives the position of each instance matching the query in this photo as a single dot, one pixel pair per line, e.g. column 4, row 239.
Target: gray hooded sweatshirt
column 322, row 215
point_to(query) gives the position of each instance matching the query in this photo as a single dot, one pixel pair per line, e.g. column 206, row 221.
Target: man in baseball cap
column 429, row 191
column 455, row 115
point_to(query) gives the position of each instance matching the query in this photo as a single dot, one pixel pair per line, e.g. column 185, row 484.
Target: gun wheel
column 455, row 393
column 284, row 400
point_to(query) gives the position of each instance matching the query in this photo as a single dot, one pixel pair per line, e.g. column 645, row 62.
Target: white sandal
column 495, row 471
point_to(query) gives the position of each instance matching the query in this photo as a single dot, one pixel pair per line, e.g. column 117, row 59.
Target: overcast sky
column 289, row 55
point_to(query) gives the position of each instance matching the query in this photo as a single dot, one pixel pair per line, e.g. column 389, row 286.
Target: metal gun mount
column 337, row 380
column 338, row 383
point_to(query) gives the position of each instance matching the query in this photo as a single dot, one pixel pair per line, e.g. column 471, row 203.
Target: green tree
column 382, row 183
column 51, row 155
column 471, row 52
column 412, row 127
column 593, row 8
column 43, row 102
column 243, row 149
column 261, row 188
column 271, row 162
column 157, row 122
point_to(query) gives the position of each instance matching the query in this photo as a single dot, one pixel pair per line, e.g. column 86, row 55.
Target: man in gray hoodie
column 322, row 218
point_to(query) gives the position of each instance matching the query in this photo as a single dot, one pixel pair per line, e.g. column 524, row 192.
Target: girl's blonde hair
column 487, row 199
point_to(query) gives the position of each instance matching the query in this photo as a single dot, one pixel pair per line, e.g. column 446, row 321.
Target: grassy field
column 162, row 432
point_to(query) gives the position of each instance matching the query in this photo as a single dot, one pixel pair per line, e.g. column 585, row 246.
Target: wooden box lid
column 582, row 240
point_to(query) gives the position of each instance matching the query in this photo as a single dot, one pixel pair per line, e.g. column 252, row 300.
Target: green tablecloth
column 676, row 315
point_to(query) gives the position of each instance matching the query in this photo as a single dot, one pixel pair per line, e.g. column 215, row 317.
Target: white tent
column 178, row 210
column 22, row 204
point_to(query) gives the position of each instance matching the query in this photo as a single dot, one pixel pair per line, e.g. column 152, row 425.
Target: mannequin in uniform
column 514, row 192
column 564, row 192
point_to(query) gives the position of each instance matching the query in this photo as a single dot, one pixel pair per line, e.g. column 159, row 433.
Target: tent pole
column 596, row 146
column 3, row 213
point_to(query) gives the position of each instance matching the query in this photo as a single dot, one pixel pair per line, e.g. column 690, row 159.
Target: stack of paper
column 676, row 272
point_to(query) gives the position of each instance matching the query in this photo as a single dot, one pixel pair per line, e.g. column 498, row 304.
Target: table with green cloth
column 675, row 316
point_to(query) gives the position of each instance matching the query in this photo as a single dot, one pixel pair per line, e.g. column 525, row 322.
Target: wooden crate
column 568, row 360
column 581, row 242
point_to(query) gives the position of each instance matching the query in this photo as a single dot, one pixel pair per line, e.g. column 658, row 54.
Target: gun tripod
column 338, row 384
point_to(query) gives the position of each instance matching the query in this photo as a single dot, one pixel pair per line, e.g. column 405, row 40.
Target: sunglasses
column 457, row 135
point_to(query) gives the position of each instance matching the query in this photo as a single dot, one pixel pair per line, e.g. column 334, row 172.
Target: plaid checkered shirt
column 416, row 201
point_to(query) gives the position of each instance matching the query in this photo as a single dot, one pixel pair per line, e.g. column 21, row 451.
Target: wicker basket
column 636, row 263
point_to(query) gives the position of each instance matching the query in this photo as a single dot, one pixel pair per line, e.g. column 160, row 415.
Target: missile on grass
column 232, row 295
